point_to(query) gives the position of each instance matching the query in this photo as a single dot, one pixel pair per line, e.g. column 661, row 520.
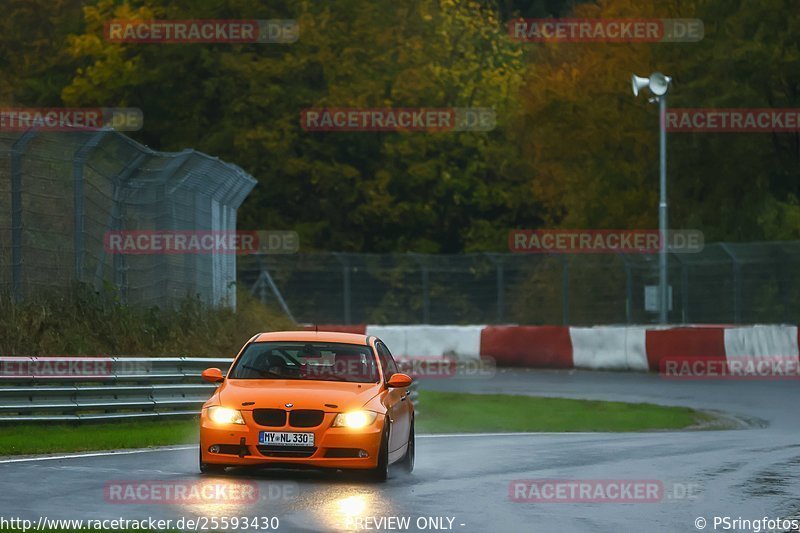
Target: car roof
column 313, row 336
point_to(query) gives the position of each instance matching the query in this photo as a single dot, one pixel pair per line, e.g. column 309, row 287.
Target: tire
column 408, row 461
column 207, row 468
column 381, row 472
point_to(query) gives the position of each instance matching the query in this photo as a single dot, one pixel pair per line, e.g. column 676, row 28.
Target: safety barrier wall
column 636, row 348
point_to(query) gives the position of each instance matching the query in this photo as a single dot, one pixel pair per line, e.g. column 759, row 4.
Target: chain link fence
column 62, row 191
column 725, row 283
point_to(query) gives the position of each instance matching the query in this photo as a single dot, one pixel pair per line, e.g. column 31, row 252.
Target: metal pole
column 564, row 290
column 500, row 275
column 662, row 212
column 17, row 152
column 501, row 304
column 346, row 288
column 426, row 303
column 628, row 290
column 737, row 283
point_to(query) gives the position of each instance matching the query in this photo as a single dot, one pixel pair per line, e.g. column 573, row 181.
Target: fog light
column 214, row 449
column 363, row 453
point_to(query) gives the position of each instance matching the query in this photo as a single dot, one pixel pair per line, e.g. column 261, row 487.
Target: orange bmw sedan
column 304, row 398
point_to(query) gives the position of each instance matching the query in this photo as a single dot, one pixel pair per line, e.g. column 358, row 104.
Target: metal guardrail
column 49, row 389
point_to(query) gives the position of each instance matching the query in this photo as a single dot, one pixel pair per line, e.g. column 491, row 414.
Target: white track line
column 98, row 454
column 521, row 434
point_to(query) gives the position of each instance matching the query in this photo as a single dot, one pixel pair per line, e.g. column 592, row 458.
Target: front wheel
column 206, row 468
column 381, row 472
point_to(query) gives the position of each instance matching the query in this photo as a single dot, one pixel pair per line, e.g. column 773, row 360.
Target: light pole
column 658, row 84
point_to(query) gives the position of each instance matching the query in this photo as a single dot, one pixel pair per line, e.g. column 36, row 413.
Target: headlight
column 223, row 415
column 354, row 419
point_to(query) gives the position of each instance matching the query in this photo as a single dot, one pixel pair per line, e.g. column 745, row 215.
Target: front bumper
column 328, row 442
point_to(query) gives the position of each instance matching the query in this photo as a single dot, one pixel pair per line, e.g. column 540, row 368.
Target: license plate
column 282, row 438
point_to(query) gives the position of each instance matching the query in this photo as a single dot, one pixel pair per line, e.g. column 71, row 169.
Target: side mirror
column 399, row 381
column 212, row 375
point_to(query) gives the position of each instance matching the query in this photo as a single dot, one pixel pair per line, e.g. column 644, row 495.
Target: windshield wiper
column 265, row 372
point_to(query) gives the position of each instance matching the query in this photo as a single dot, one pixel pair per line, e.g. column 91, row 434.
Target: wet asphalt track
column 748, row 473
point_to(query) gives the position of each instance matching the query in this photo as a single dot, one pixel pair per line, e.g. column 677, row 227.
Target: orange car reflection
column 319, row 399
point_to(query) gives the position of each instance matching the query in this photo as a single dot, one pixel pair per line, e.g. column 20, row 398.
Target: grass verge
column 442, row 412
column 447, row 412
column 43, row 438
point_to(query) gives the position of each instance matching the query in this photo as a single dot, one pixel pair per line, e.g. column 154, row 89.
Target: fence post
column 737, row 284
column 784, row 260
column 166, row 221
column 78, row 162
column 264, row 279
column 342, row 258
column 115, row 222
column 16, row 211
column 426, row 311
column 685, row 288
column 261, row 283
column 565, row 289
column 628, row 289
column 500, row 279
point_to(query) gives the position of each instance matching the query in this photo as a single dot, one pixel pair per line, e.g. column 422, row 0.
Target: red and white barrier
column 637, row 348
column 528, row 346
column 609, row 347
column 462, row 342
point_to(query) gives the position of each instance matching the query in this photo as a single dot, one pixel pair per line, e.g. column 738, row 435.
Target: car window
column 387, row 361
column 306, row 361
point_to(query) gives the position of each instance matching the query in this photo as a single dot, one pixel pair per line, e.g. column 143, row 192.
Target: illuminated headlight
column 354, row 419
column 223, row 415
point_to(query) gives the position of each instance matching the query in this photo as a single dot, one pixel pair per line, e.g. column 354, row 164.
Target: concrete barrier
column 636, row 348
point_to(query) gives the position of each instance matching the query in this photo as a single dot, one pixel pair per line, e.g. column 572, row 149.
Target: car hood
column 276, row 393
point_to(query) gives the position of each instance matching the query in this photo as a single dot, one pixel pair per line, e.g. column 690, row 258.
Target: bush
column 82, row 322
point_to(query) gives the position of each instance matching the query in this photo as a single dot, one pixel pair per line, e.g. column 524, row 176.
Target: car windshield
column 307, row 361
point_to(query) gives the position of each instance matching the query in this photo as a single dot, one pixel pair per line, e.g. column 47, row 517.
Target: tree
column 347, row 191
column 595, row 147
